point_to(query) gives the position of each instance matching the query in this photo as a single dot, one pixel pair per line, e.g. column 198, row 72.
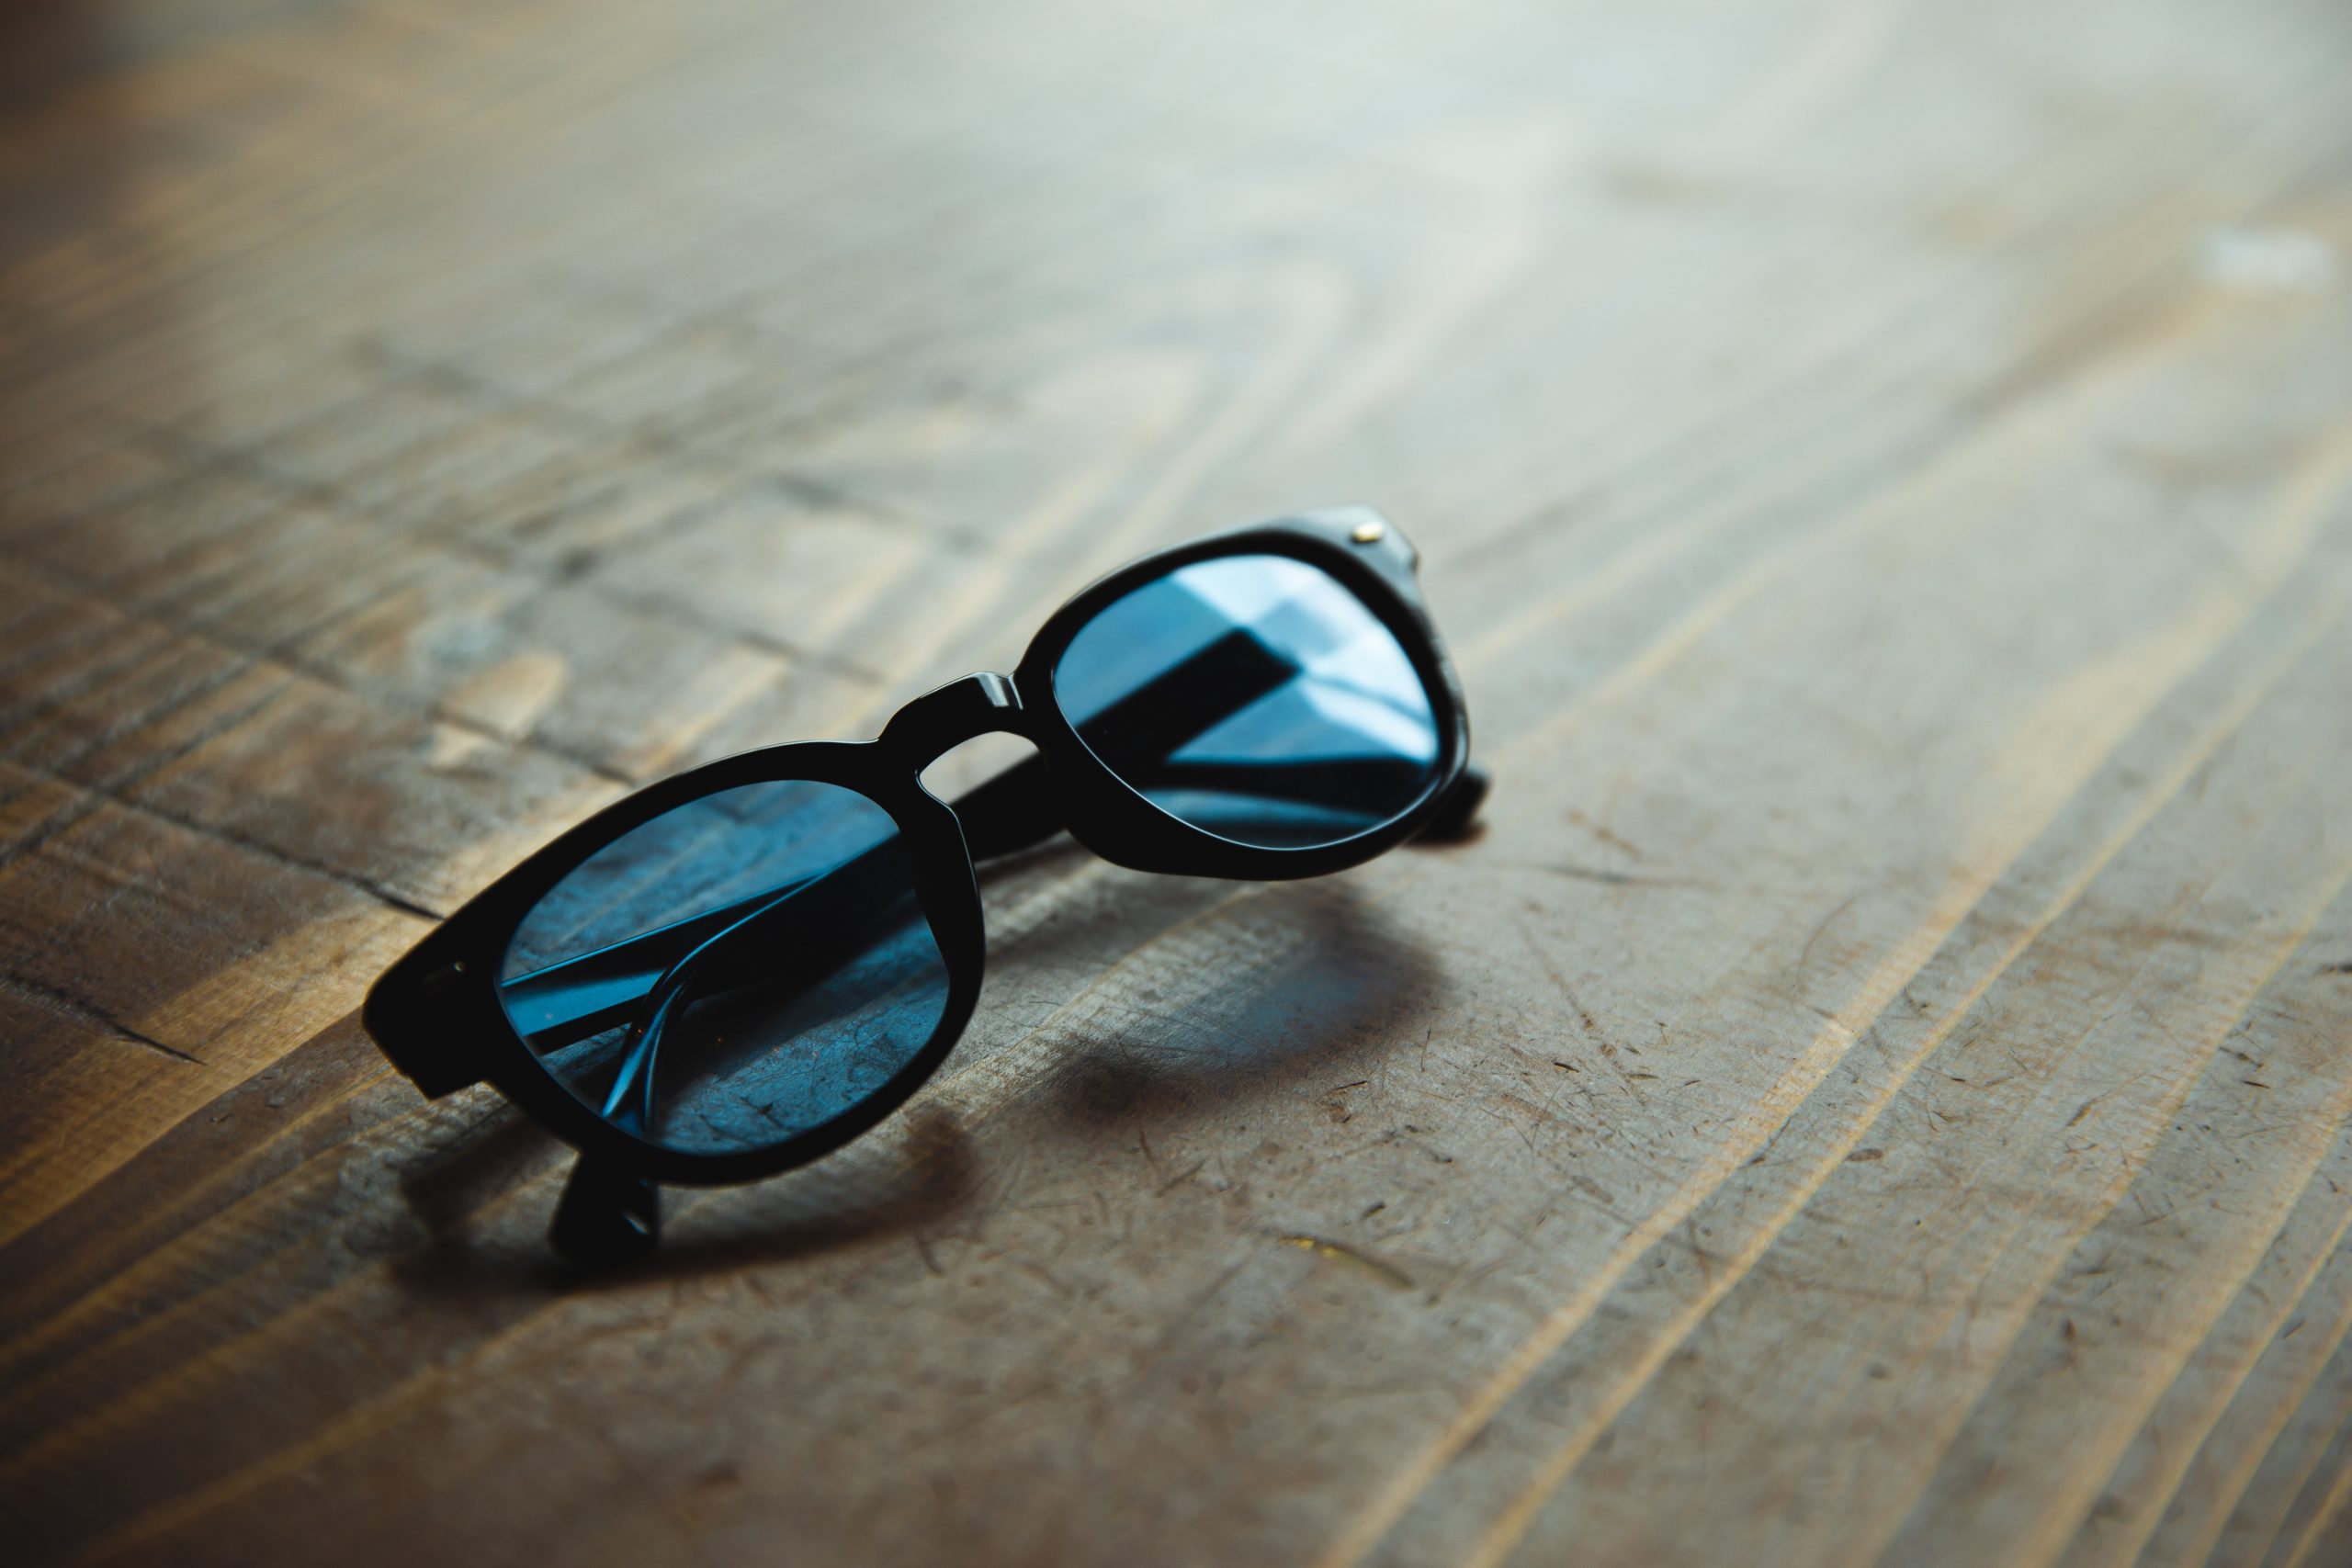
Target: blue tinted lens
column 735, row 972
column 1255, row 697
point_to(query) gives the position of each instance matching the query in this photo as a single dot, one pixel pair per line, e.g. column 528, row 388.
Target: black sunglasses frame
column 436, row 1014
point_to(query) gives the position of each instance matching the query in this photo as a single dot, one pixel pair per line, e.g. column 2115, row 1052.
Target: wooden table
column 1877, row 1090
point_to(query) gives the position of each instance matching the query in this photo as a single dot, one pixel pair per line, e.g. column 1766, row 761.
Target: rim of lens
column 704, row 1068
column 1264, row 699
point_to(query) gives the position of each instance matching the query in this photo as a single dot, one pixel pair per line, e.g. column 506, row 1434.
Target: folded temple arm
column 599, row 991
column 1143, row 736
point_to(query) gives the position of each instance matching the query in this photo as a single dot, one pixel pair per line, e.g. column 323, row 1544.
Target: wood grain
column 1874, row 1093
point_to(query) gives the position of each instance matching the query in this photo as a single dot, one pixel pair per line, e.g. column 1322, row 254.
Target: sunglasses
column 740, row 968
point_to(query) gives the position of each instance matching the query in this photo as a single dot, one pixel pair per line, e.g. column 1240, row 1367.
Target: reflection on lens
column 735, row 972
column 1255, row 697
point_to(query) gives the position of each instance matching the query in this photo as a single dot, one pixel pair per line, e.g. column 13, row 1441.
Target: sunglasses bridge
column 937, row 722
